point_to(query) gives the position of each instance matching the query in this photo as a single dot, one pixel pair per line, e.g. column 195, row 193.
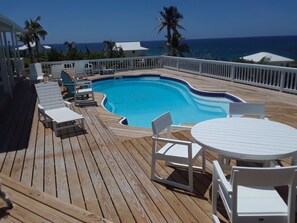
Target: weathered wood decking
column 106, row 169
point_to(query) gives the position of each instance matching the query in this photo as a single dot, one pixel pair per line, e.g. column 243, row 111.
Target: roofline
column 11, row 23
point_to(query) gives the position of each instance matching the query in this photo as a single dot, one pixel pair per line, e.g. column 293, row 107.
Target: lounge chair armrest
column 40, row 108
column 222, row 178
column 83, row 83
column 68, row 84
column 68, row 104
column 175, row 141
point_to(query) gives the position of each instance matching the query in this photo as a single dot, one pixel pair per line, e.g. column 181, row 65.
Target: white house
column 269, row 58
column 41, row 48
column 132, row 49
column 8, row 41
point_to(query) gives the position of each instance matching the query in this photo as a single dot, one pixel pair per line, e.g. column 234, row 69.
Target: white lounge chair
column 250, row 195
column 178, row 153
column 36, row 73
column 54, row 109
column 251, row 109
column 56, row 71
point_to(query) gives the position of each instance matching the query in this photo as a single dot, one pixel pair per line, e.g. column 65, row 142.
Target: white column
column 4, row 71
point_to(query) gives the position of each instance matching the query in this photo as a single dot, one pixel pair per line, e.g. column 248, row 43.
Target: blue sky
column 135, row 20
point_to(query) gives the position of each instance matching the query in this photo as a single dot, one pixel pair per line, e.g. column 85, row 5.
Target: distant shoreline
column 214, row 48
column 213, row 38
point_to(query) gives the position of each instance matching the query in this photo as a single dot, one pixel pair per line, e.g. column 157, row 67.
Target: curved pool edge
column 124, row 120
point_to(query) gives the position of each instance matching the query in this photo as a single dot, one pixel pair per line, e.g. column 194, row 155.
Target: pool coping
column 124, row 120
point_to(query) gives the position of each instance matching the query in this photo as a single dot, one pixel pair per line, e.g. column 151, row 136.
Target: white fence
column 272, row 77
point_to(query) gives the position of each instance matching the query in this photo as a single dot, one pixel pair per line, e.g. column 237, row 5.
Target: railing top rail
column 233, row 64
column 264, row 66
column 103, row 60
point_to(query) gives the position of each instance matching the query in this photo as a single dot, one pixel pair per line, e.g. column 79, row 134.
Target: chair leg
column 55, row 128
column 203, row 160
column 153, row 167
column 214, row 197
column 190, row 172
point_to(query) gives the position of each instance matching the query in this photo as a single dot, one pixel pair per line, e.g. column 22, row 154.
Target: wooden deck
column 105, row 170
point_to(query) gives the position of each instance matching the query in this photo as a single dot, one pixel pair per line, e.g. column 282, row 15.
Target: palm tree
column 37, row 32
column 111, row 50
column 71, row 50
column 170, row 19
column 177, row 47
column 26, row 38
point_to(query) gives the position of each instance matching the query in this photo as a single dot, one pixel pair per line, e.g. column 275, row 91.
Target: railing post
column 177, row 64
column 200, row 68
column 282, row 81
column 232, row 75
column 132, row 64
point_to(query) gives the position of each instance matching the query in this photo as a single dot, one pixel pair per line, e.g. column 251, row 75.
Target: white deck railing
column 272, row 77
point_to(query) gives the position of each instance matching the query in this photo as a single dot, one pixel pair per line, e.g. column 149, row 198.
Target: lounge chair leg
column 55, row 128
column 82, row 124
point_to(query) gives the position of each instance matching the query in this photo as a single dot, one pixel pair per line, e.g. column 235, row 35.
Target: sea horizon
column 225, row 48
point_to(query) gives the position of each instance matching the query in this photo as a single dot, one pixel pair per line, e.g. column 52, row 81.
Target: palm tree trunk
column 30, row 53
column 37, row 50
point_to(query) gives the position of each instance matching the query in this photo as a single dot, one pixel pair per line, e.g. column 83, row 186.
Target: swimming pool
column 141, row 99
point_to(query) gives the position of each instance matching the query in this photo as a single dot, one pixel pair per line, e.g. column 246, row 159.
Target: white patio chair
column 84, row 93
column 238, row 109
column 250, row 195
column 250, row 109
column 36, row 73
column 82, row 69
column 178, row 153
column 54, row 109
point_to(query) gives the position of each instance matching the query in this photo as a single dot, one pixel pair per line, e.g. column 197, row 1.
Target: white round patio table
column 246, row 138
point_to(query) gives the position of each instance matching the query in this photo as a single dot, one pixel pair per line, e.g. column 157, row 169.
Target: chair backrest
column 160, row 123
column 67, row 81
column 35, row 71
column 261, row 177
column 266, row 178
column 80, row 68
column 56, row 71
column 49, row 95
column 253, row 109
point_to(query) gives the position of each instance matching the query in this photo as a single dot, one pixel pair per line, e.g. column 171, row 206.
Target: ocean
column 221, row 48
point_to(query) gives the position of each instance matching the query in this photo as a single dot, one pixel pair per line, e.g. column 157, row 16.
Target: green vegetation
column 111, row 50
column 170, row 20
column 33, row 34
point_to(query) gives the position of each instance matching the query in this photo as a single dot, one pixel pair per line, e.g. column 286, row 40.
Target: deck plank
column 117, row 197
column 49, row 164
column 35, row 206
column 28, row 167
column 76, row 194
column 135, row 207
column 89, row 194
column 60, row 171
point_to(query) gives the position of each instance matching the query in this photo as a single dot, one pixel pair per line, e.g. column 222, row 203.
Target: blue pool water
column 144, row 98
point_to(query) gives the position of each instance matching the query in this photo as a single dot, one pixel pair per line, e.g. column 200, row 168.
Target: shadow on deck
column 16, row 118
